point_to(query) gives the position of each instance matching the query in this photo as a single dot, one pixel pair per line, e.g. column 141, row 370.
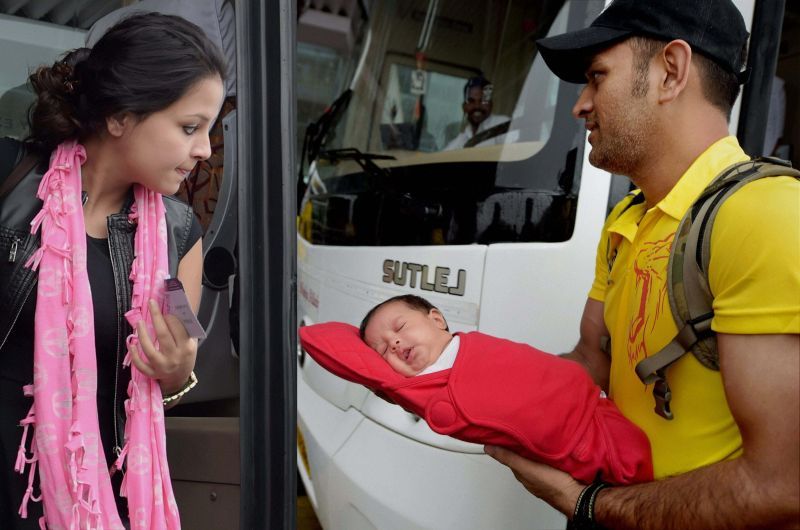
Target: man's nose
column 584, row 104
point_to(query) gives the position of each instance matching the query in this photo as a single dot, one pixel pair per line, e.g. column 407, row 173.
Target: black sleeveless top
column 16, row 370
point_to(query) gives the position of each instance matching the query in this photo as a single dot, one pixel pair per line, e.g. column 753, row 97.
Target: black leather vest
column 17, row 282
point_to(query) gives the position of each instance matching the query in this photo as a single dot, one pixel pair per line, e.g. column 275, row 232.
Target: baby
column 410, row 334
column 485, row 389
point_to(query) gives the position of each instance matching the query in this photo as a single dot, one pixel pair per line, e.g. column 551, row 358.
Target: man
column 661, row 78
column 477, row 107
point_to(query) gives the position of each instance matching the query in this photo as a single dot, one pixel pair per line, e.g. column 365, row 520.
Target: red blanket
column 501, row 393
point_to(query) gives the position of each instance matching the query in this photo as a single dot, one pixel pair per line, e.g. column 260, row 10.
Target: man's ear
column 118, row 124
column 438, row 318
column 674, row 64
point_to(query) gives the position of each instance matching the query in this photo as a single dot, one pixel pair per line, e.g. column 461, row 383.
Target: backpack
column 15, row 162
column 690, row 298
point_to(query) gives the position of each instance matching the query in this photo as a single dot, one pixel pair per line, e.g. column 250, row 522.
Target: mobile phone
column 176, row 303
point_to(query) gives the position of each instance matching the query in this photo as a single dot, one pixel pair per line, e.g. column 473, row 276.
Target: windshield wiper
column 316, row 134
column 365, row 160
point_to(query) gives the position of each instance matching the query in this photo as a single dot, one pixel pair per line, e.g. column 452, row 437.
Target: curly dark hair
column 142, row 65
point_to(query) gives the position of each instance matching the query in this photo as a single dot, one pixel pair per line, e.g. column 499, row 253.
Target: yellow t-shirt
column 754, row 275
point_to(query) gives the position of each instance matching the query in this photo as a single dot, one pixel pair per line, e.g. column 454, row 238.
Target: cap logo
column 611, row 3
column 486, row 98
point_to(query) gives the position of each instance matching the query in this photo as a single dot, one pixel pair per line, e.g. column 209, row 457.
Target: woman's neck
column 103, row 184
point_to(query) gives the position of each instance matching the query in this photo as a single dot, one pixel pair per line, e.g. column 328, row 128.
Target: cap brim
column 568, row 54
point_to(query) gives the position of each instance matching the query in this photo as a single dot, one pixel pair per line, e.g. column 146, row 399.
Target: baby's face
column 407, row 338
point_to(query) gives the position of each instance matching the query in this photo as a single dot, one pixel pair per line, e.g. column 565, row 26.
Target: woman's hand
column 173, row 361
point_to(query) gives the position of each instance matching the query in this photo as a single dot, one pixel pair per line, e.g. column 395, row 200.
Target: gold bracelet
column 190, row 384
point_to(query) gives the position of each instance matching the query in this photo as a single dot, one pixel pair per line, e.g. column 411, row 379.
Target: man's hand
column 759, row 489
column 553, row 486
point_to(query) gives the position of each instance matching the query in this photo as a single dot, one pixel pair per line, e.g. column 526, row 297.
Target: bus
column 499, row 232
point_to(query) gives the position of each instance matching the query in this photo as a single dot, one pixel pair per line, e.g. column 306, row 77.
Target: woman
column 114, row 128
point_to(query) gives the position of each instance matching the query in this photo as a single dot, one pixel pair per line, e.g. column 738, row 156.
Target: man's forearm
column 722, row 496
column 597, row 363
column 590, row 351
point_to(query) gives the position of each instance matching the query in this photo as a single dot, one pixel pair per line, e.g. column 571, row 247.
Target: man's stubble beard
column 624, row 138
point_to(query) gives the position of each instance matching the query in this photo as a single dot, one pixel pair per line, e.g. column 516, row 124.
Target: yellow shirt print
column 649, row 267
column 639, row 320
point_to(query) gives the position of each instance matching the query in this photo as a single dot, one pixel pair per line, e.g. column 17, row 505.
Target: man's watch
column 583, row 517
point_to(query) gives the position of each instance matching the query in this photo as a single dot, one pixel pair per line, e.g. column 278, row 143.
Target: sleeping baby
column 484, row 389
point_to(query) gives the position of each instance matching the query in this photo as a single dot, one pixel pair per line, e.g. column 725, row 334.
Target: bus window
column 384, row 173
column 28, row 43
column 783, row 123
column 321, row 75
column 400, row 117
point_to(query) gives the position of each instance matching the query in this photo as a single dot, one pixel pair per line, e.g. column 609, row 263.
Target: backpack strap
column 23, row 168
column 690, row 296
column 21, row 162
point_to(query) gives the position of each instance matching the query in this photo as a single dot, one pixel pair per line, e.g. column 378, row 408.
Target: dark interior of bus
column 455, row 202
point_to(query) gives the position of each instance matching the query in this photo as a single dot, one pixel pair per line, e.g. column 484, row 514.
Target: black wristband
column 583, row 517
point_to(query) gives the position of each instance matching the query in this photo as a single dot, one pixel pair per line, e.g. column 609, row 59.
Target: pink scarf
column 74, row 477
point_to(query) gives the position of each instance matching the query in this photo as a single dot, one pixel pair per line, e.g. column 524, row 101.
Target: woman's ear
column 118, row 124
column 675, row 61
column 438, row 318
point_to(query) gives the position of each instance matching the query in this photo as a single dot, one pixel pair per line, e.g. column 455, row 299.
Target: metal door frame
column 267, row 249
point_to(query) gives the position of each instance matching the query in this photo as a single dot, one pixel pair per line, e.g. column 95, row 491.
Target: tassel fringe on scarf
column 74, row 477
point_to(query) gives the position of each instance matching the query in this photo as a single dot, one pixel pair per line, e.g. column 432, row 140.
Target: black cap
column 714, row 28
column 476, row 81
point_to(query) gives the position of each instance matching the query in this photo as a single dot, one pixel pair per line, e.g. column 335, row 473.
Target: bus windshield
column 452, row 131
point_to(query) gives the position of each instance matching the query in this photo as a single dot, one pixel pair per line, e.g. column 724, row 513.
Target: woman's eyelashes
column 190, row 129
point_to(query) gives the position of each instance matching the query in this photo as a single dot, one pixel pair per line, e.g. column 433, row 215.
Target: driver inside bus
column 477, row 107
